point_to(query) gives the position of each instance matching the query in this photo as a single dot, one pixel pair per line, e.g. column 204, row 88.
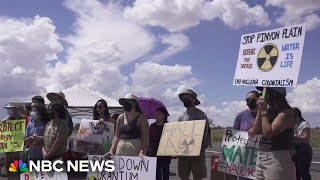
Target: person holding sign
column 59, row 98
column 276, row 125
column 196, row 165
column 303, row 150
column 163, row 162
column 101, row 112
column 132, row 130
column 56, row 133
column 244, row 120
column 35, row 132
column 12, row 111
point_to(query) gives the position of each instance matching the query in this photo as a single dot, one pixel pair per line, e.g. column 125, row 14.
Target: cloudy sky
column 153, row 48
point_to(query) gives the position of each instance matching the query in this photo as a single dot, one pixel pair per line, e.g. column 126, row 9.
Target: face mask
column 186, row 103
column 127, row 107
column 10, row 112
column 252, row 104
column 33, row 115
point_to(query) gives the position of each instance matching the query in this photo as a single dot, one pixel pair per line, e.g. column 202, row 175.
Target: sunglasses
column 251, row 99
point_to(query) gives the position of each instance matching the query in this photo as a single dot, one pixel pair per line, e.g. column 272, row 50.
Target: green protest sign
column 239, row 153
column 12, row 133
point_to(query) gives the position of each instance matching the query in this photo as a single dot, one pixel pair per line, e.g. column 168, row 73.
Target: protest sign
column 43, row 175
column 239, row 153
column 94, row 137
column 12, row 133
column 126, row 168
column 270, row 58
column 181, row 138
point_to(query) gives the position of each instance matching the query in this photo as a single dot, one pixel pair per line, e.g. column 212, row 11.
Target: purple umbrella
column 149, row 106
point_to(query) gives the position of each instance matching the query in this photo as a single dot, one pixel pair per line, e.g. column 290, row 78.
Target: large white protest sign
column 239, row 153
column 94, row 137
column 270, row 58
column 181, row 138
column 126, row 168
column 43, row 175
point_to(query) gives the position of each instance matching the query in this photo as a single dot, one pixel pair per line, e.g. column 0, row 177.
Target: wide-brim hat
column 280, row 90
column 61, row 94
column 190, row 92
column 10, row 105
column 127, row 98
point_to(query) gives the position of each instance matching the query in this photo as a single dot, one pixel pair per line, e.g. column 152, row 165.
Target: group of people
column 134, row 137
column 284, row 151
column 47, row 130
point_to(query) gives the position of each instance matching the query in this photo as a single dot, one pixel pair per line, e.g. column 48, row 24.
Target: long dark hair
column 280, row 100
column 42, row 112
column 106, row 112
column 138, row 109
column 298, row 113
column 164, row 111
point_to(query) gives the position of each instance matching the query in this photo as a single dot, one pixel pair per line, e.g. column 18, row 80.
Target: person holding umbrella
column 196, row 164
column 163, row 163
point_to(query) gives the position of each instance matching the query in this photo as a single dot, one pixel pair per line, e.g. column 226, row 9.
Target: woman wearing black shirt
column 155, row 133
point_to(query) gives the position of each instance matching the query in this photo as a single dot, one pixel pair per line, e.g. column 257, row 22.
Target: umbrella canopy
column 149, row 106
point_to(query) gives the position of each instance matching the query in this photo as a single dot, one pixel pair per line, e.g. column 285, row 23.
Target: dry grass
column 217, row 134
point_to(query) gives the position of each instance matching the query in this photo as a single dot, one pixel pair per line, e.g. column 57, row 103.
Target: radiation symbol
column 267, row 57
column 187, row 145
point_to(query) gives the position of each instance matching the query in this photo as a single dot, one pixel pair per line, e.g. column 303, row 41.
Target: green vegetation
column 217, row 134
column 315, row 137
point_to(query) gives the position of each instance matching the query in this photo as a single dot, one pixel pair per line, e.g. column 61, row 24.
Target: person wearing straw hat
column 59, row 98
column 276, row 124
column 197, row 164
column 12, row 111
column 132, row 130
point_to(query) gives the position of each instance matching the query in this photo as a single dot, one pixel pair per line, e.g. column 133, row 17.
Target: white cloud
column 98, row 23
column 102, row 42
column 176, row 43
column 306, row 96
column 25, row 47
column 150, row 73
column 236, row 13
column 178, row 15
column 225, row 114
column 296, row 11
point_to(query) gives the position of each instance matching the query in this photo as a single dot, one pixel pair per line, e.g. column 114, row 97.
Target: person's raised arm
column 257, row 125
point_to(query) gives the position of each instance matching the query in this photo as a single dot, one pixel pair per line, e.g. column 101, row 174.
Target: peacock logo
column 18, row 166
